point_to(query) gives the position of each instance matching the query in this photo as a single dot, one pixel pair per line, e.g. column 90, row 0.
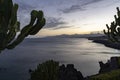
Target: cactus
column 46, row 71
column 113, row 31
column 9, row 26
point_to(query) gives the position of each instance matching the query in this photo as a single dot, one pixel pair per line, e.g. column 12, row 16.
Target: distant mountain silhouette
column 77, row 36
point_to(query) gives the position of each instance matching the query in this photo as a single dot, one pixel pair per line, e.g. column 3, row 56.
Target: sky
column 69, row 16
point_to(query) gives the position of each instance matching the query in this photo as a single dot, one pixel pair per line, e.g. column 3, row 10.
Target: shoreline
column 104, row 40
column 108, row 71
column 108, row 44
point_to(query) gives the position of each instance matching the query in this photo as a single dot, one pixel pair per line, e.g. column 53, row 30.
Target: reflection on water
column 81, row 52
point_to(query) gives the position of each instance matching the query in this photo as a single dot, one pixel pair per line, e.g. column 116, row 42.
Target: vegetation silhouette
column 51, row 70
column 45, row 71
column 10, row 26
column 113, row 31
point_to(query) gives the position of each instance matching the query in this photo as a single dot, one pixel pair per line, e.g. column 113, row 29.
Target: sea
column 83, row 53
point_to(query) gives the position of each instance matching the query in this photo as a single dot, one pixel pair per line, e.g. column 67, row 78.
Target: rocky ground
column 69, row 73
column 111, row 68
column 108, row 71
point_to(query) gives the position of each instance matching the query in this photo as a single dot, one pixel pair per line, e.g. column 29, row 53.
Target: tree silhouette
column 10, row 26
column 113, row 31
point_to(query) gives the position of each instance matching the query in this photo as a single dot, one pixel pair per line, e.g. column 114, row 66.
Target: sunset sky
column 69, row 16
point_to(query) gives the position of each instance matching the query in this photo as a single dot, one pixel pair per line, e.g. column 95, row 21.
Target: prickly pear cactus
column 9, row 26
column 113, row 31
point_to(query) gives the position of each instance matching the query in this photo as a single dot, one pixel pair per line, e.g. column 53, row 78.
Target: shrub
column 46, row 71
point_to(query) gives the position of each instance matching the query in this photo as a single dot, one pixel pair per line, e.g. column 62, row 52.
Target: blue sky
column 69, row 16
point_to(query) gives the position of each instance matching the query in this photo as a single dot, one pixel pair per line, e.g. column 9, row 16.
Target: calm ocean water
column 83, row 53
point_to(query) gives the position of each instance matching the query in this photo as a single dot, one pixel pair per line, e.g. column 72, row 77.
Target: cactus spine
column 9, row 26
column 113, row 31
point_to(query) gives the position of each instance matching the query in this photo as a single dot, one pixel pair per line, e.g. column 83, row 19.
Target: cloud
column 54, row 23
column 79, row 7
column 24, row 11
column 73, row 8
column 88, row 2
column 61, row 27
column 111, row 3
column 24, row 5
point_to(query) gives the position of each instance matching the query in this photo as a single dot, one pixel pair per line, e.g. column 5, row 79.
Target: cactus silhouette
column 113, row 31
column 9, row 26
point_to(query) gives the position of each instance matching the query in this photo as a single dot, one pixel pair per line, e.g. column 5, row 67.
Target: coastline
column 108, row 71
column 111, row 69
column 104, row 40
